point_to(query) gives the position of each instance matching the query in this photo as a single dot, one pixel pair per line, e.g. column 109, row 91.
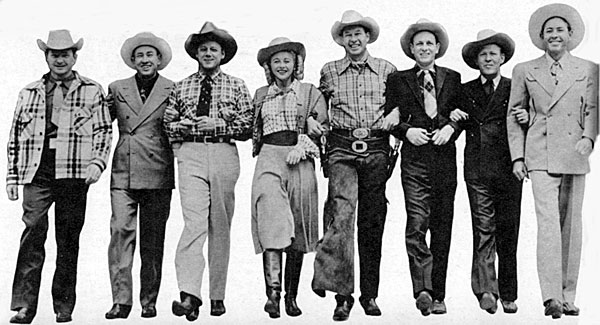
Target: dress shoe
column 63, row 317
column 570, row 309
column 189, row 306
column 553, row 308
column 291, row 307
column 23, row 316
column 370, row 306
column 343, row 307
column 148, row 311
column 439, row 307
column 118, row 311
column 488, row 302
column 217, row 308
column 423, row 303
column 510, row 307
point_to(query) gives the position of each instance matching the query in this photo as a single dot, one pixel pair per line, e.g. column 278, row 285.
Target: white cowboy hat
column 59, row 40
column 568, row 13
column 149, row 39
column 425, row 25
column 485, row 37
column 352, row 18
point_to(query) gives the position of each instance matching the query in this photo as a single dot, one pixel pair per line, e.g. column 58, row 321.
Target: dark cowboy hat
column 149, row 39
column 485, row 37
column 277, row 45
column 429, row 26
column 210, row 32
column 566, row 12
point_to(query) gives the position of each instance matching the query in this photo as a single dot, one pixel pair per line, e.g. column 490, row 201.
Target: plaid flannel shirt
column 280, row 109
column 83, row 138
column 230, row 107
column 355, row 94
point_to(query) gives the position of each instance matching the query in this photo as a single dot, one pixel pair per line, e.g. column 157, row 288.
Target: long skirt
column 284, row 202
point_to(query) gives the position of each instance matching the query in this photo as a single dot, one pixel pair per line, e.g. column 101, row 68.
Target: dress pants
column 207, row 176
column 352, row 179
column 495, row 216
column 558, row 203
column 429, row 184
column 69, row 198
column 153, row 206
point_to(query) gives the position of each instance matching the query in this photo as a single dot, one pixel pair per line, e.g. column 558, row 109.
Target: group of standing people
column 542, row 125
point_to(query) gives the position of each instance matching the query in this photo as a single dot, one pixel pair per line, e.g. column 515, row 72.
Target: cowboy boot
column 272, row 272
column 293, row 266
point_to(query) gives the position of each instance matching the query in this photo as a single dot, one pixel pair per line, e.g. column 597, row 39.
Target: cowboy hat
column 429, row 26
column 277, row 45
column 568, row 13
column 210, row 32
column 59, row 40
column 149, row 39
column 353, row 18
column 485, row 37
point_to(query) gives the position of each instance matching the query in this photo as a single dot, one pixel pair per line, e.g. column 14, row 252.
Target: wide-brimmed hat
column 59, row 40
column 429, row 26
column 486, row 37
column 149, row 39
column 210, row 32
column 568, row 13
column 353, row 18
column 277, row 45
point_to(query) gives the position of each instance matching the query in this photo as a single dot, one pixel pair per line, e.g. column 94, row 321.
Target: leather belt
column 360, row 133
column 358, row 146
column 208, row 138
column 282, row 138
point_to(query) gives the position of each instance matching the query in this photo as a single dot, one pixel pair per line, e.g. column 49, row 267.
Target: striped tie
column 555, row 71
column 429, row 95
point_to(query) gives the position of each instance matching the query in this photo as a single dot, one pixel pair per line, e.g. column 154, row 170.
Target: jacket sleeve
column 13, row 144
column 519, row 98
column 102, row 130
column 590, row 106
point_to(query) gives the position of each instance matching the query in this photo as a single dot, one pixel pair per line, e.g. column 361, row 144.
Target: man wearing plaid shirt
column 58, row 145
column 358, row 158
column 206, row 112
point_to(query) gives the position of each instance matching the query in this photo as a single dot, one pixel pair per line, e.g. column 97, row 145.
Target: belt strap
column 208, row 138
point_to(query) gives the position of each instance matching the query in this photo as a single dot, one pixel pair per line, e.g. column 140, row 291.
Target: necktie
column 360, row 66
column 429, row 95
column 143, row 95
column 488, row 87
column 57, row 103
column 205, row 96
column 555, row 71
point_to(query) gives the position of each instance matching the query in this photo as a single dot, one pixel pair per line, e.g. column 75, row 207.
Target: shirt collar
column 495, row 81
column 369, row 63
column 213, row 75
column 564, row 60
column 274, row 90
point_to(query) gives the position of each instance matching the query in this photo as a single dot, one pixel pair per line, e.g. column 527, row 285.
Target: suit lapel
column 159, row 92
column 413, row 84
column 541, row 73
column 131, row 95
column 568, row 77
column 440, row 76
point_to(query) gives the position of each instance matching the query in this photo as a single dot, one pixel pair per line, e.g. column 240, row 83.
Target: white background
column 105, row 25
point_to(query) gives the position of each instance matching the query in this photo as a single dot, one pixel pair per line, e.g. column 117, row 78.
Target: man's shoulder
column 119, row 83
column 448, row 71
column 232, row 79
column 385, row 64
column 89, row 82
column 587, row 64
column 33, row 85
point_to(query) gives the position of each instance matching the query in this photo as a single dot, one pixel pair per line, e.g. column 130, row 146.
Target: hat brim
column 435, row 28
column 471, row 50
column 226, row 41
column 156, row 42
column 366, row 22
column 541, row 15
column 44, row 47
column 265, row 54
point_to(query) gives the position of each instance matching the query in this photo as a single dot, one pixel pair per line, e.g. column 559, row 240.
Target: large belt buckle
column 359, row 146
column 360, row 133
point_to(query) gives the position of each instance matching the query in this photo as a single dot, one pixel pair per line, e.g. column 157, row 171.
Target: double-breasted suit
column 428, row 174
column 142, row 179
column 561, row 113
column 494, row 192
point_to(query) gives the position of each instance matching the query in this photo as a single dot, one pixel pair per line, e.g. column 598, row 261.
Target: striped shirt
column 83, row 137
column 279, row 109
column 356, row 93
column 230, row 106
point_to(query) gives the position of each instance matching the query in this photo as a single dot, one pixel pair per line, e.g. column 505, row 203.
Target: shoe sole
column 424, row 304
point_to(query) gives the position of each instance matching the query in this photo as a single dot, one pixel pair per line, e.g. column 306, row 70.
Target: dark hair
column 544, row 25
column 412, row 38
column 157, row 52
column 365, row 29
column 74, row 50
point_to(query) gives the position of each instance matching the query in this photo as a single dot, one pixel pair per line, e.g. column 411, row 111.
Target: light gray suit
column 560, row 114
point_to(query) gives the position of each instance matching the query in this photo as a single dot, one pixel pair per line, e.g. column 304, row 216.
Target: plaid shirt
column 280, row 109
column 230, row 106
column 83, row 138
column 356, row 94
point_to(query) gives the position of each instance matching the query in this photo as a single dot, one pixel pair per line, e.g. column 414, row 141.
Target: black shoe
column 217, row 308
column 23, row 316
column 438, row 307
column 569, row 309
column 423, row 303
column 118, row 311
column 488, row 302
column 189, row 306
column 291, row 307
column 343, row 307
column 509, row 307
column 553, row 308
column 148, row 311
column 370, row 306
column 63, row 317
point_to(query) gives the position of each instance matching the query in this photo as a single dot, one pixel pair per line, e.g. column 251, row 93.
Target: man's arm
column 13, row 152
column 519, row 99
column 238, row 122
column 101, row 136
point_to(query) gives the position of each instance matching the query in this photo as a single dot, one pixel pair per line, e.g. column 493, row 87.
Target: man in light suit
column 142, row 173
column 560, row 92
column 494, row 192
column 425, row 96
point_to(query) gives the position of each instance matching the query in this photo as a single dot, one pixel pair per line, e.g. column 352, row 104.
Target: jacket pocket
column 82, row 121
column 26, row 130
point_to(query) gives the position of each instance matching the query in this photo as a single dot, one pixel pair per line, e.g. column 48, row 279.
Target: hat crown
column 350, row 16
column 486, row 33
column 208, row 27
column 424, row 21
column 59, row 39
column 279, row 40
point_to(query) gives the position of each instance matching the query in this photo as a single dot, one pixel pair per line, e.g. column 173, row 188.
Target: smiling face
column 556, row 34
column 424, row 47
column 355, row 39
column 489, row 60
column 61, row 63
column 282, row 66
column 146, row 60
column 210, row 55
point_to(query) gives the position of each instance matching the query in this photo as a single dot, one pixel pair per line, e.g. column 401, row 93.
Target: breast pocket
column 26, row 129
column 226, row 108
column 82, row 121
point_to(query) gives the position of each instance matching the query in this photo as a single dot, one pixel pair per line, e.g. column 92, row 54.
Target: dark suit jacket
column 143, row 158
column 403, row 91
column 486, row 152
